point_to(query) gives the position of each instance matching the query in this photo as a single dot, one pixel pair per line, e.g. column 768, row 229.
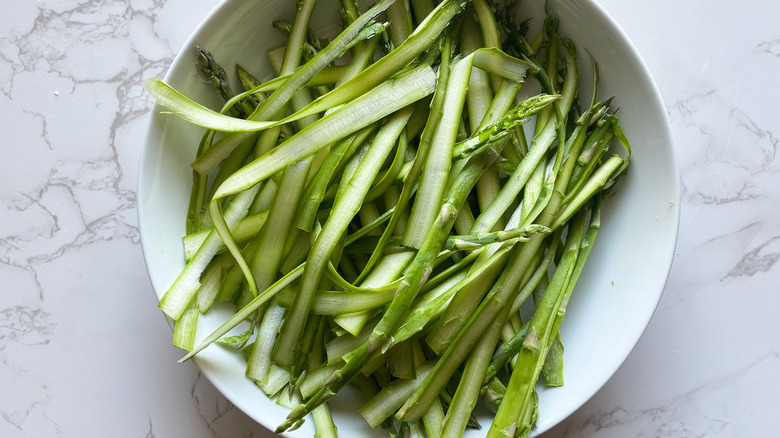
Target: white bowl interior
column 627, row 269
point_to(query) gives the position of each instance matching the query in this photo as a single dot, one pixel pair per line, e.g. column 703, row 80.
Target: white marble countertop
column 78, row 324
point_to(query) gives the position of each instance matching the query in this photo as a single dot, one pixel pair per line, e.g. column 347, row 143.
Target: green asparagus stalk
column 490, row 34
column 400, row 18
column 198, row 201
column 277, row 232
column 335, row 161
column 391, row 398
column 466, row 396
column 468, row 242
column 505, row 353
column 468, row 298
column 421, row 9
column 434, row 117
column 536, row 343
column 346, row 206
column 244, row 229
column 437, row 164
column 539, row 147
column 184, row 328
column 393, row 266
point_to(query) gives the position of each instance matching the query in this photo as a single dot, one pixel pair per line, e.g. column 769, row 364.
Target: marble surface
column 85, row 353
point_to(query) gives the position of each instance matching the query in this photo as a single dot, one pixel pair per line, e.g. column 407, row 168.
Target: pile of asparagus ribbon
column 381, row 210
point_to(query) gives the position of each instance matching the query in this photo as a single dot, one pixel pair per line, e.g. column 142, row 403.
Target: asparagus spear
column 536, row 343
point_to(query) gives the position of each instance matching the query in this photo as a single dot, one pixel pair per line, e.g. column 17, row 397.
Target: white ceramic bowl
column 618, row 291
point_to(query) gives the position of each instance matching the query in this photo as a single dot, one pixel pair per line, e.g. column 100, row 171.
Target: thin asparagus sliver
column 376, row 104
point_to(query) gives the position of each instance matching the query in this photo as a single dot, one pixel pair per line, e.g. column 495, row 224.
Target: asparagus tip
column 283, row 427
column 296, row 425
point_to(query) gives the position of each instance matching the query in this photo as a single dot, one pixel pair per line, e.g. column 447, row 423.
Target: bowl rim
column 657, row 101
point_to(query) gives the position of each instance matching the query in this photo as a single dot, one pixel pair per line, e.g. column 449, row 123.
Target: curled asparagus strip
column 361, row 112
